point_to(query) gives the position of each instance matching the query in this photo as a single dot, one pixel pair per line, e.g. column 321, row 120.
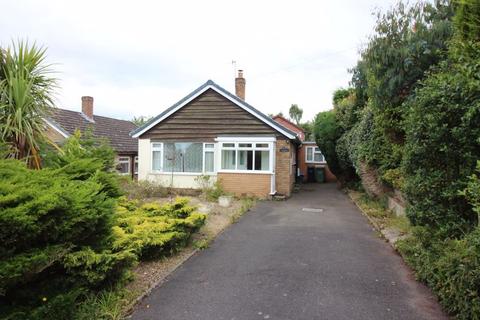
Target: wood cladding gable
column 205, row 118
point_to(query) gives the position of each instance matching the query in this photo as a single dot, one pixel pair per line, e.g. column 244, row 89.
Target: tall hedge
column 443, row 142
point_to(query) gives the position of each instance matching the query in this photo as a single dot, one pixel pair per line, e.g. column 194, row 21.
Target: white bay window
column 246, row 156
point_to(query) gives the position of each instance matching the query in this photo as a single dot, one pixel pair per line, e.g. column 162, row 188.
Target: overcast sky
column 139, row 57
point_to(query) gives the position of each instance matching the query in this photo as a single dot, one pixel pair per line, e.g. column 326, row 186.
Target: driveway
column 280, row 262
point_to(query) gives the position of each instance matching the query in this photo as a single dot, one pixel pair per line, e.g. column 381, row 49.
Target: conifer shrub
column 152, row 230
column 55, row 236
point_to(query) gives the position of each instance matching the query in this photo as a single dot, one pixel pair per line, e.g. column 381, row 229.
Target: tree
column 295, row 113
column 141, row 120
column 26, row 96
column 326, row 134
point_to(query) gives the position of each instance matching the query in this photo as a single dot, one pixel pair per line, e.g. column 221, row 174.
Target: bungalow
column 62, row 123
column 213, row 132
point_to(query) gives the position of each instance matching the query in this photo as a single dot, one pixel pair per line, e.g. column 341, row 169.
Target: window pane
column 209, row 145
column 156, row 160
column 193, row 157
column 244, row 145
column 245, row 160
column 171, row 158
column 123, row 165
column 309, row 154
column 228, row 145
column 318, row 157
column 262, row 160
column 135, row 165
column 209, row 162
column 156, row 146
column 228, row 159
column 317, row 149
column 262, row 145
column 182, row 157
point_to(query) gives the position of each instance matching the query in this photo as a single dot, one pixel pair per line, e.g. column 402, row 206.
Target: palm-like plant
column 26, row 96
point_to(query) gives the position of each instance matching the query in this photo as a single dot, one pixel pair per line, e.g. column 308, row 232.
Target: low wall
column 246, row 184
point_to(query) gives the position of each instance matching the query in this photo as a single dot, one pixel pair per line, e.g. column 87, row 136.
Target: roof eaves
column 56, row 127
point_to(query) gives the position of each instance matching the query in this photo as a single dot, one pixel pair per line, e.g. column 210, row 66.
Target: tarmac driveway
column 281, row 262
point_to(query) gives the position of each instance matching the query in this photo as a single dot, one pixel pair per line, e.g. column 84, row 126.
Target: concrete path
column 281, row 262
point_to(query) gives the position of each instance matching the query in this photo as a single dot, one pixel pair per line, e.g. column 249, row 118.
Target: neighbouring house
column 62, row 123
column 309, row 157
column 216, row 133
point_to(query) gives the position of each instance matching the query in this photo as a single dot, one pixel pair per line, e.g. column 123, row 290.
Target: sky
column 137, row 58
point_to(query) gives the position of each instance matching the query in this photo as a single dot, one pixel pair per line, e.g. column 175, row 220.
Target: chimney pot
column 240, row 85
column 87, row 106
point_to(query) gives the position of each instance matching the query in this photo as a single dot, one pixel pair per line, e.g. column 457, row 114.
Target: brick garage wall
column 246, row 184
column 329, row 176
column 284, row 167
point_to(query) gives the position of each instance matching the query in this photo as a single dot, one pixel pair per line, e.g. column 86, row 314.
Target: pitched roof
column 233, row 98
column 115, row 130
column 290, row 123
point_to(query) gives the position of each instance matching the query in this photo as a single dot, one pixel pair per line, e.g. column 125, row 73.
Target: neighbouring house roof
column 114, row 130
column 233, row 98
column 290, row 125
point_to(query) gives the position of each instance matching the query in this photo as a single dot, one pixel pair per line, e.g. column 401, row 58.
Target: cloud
column 137, row 58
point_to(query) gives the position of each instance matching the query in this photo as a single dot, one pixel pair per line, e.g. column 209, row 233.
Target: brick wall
column 246, row 184
column 303, row 166
column 284, row 167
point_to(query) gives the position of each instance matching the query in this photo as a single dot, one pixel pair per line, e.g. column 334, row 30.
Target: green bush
column 472, row 191
column 215, row 192
column 153, row 230
column 443, row 143
column 450, row 267
column 327, row 132
column 55, row 236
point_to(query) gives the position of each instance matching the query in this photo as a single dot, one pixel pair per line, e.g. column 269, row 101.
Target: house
column 62, row 123
column 216, row 133
column 308, row 156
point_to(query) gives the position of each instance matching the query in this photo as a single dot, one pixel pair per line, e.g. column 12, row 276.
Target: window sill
column 245, row 171
column 182, row 173
column 312, row 162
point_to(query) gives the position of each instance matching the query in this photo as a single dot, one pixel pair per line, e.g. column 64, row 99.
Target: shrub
column 215, row 192
column 143, row 189
column 442, row 142
column 153, row 230
column 472, row 191
column 450, row 267
column 55, row 235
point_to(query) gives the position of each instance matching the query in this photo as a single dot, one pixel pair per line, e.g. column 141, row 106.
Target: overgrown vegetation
column 411, row 121
column 68, row 241
column 210, row 190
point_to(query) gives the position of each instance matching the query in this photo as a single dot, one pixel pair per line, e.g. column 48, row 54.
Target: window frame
column 313, row 154
column 254, row 147
column 162, row 164
column 205, row 151
column 129, row 162
column 152, row 149
column 135, row 165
